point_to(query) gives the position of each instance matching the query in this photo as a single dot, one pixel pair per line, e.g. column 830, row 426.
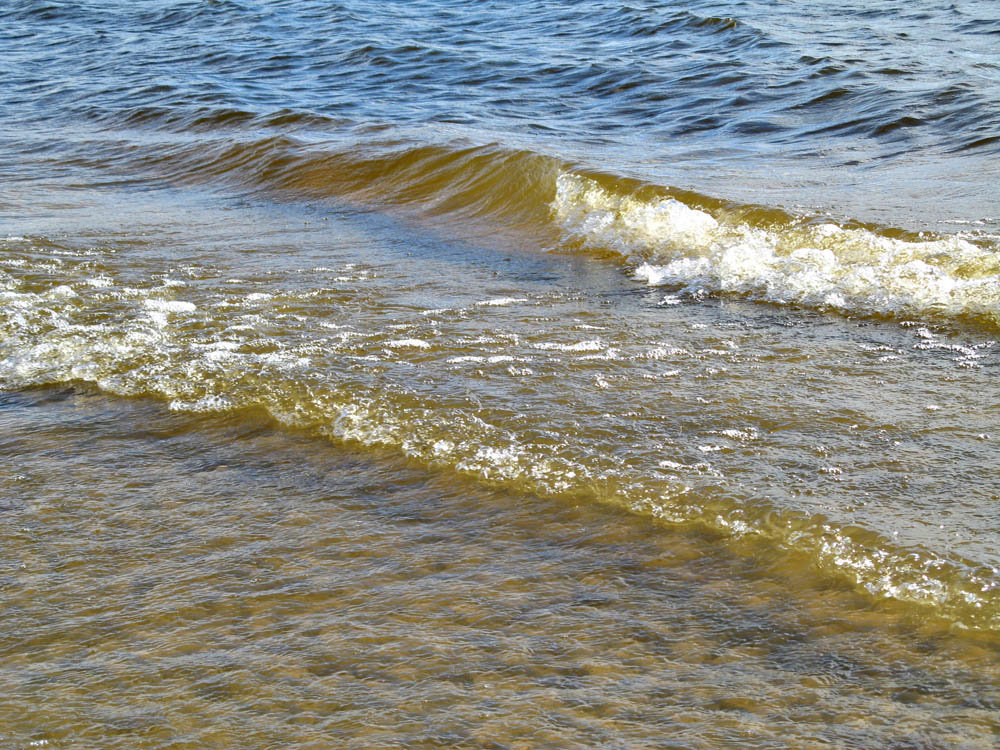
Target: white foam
column 663, row 351
column 742, row 435
column 610, row 355
column 408, row 343
column 621, row 222
column 592, row 345
column 218, row 355
column 711, row 448
column 159, row 319
column 210, row 403
column 62, row 291
column 493, row 359
column 226, row 345
column 169, row 305
column 502, row 301
column 442, row 447
column 823, row 265
column 464, row 358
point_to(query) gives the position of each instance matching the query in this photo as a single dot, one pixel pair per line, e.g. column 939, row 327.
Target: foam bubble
column 408, row 344
column 824, row 265
column 169, row 305
column 592, row 345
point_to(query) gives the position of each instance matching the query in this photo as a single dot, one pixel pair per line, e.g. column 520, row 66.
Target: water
column 499, row 375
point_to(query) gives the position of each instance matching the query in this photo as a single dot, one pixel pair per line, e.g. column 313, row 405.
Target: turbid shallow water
column 490, row 375
column 174, row 581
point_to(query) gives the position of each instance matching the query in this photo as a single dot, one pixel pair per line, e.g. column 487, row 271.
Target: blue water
column 869, row 110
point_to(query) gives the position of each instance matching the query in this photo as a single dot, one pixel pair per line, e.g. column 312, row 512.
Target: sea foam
column 854, row 270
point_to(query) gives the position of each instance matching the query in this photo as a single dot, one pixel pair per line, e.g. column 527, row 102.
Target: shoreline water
column 381, row 376
column 282, row 600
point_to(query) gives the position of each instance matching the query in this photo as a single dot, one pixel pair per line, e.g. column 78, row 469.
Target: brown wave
column 485, row 181
column 544, row 201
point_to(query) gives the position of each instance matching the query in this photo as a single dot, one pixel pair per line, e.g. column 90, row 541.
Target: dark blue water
column 871, row 110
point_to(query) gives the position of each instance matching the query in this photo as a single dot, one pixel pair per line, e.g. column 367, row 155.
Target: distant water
column 500, row 374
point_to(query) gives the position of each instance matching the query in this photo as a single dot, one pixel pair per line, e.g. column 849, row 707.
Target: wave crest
column 805, row 262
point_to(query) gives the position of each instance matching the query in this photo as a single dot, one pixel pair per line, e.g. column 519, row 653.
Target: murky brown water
column 171, row 581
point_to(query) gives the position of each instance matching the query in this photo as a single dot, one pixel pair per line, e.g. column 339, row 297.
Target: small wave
column 988, row 142
column 166, row 116
column 696, row 244
column 47, row 341
column 734, row 33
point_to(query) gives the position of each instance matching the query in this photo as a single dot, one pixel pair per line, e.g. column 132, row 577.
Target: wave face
column 417, row 228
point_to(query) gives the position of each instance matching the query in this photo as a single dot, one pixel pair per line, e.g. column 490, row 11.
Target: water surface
column 499, row 375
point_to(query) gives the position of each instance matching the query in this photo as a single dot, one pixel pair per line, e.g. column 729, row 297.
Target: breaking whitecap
column 853, row 270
